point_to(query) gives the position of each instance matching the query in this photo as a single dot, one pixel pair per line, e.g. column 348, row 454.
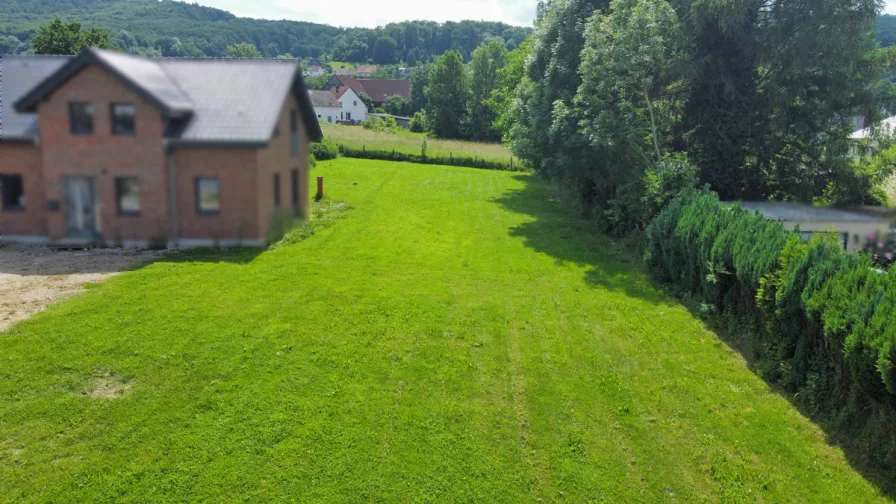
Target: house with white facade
column 337, row 105
column 313, row 71
column 326, row 107
column 353, row 109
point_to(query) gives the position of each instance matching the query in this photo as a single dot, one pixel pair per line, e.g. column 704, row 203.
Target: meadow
column 357, row 137
column 454, row 337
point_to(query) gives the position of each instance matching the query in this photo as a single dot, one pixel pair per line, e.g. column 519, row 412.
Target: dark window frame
column 6, row 205
column 119, row 193
column 199, row 210
column 114, row 119
column 294, row 182
column 276, row 190
column 75, row 109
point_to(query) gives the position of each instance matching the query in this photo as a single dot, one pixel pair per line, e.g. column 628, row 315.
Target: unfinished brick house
column 105, row 146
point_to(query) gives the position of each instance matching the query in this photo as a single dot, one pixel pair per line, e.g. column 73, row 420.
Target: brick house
column 189, row 152
column 379, row 90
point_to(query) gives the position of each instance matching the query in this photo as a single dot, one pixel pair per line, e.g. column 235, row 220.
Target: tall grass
column 405, row 142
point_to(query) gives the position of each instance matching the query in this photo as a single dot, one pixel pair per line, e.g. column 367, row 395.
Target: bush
column 382, row 124
column 325, row 150
column 822, row 317
column 418, row 123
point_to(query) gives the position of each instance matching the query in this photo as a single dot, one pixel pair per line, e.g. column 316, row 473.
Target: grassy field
column 454, row 338
column 342, row 64
column 409, row 143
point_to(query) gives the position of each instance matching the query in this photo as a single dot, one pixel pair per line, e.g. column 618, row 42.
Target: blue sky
column 371, row 14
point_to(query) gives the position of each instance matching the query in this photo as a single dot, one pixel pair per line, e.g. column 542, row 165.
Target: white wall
column 327, row 114
column 352, row 104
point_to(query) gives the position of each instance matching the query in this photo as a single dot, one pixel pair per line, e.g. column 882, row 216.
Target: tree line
column 756, row 99
column 173, row 28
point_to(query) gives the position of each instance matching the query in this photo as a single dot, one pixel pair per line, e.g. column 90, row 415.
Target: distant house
column 342, row 71
column 379, row 90
column 105, row 146
column 854, row 228
column 313, row 71
column 326, row 106
column 887, row 126
column 338, row 105
column 364, row 71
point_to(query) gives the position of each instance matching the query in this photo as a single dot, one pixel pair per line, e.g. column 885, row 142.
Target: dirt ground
column 31, row 278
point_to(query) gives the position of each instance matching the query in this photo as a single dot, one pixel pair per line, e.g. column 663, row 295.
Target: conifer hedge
column 817, row 320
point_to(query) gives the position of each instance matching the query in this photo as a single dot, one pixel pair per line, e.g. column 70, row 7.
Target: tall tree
column 625, row 106
column 504, row 94
column 487, row 60
column 447, row 95
column 776, row 85
column 243, row 50
column 419, row 80
column 68, row 38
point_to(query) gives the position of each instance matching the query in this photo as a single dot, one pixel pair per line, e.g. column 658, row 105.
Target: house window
column 348, row 116
column 294, row 132
column 121, row 115
column 276, row 190
column 12, row 192
column 80, row 116
column 127, row 195
column 295, row 188
column 356, row 103
column 329, row 119
column 208, row 196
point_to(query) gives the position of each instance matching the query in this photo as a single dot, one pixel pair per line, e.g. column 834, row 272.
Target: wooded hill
column 198, row 30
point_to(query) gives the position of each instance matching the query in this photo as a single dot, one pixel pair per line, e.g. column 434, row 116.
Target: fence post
column 511, row 163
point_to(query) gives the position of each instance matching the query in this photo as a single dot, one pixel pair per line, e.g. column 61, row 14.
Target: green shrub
column 382, row 124
column 469, row 162
column 418, row 123
column 821, row 319
column 325, row 150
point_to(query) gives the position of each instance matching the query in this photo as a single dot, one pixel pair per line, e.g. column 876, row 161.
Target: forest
column 171, row 28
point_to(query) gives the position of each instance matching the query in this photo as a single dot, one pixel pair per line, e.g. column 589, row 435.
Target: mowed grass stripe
column 457, row 337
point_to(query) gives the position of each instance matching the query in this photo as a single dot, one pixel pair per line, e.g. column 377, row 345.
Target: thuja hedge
column 817, row 320
column 469, row 162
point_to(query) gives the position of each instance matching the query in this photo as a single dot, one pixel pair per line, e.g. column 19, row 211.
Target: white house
column 326, row 107
column 335, row 105
column 313, row 71
column 353, row 109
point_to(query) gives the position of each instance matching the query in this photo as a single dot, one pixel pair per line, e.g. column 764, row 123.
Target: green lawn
column 406, row 142
column 455, row 338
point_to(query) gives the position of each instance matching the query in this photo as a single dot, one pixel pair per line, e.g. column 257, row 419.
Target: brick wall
column 24, row 160
column 278, row 158
column 104, row 156
column 238, row 180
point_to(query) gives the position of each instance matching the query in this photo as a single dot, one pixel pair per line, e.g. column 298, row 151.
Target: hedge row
column 820, row 322
column 469, row 162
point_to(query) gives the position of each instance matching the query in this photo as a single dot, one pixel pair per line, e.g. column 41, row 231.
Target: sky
column 364, row 13
column 890, row 6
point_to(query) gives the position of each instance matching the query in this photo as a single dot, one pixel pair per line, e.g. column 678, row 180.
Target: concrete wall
column 327, row 114
column 24, row 160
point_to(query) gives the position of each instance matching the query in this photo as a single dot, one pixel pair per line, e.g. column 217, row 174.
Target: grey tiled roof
column 213, row 101
column 18, row 74
column 150, row 76
column 233, row 100
column 324, row 99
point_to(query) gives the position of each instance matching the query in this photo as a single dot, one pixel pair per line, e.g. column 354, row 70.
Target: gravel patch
column 31, row 278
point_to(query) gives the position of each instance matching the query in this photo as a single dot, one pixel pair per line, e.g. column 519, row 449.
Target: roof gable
column 143, row 76
column 207, row 101
column 380, row 89
column 20, row 74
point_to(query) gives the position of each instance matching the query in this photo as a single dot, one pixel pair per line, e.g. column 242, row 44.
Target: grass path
column 454, row 339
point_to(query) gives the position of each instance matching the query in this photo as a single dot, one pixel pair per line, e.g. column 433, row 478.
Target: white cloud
column 890, row 7
column 369, row 14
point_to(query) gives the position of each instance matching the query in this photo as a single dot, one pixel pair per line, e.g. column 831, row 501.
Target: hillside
column 886, row 30
column 199, row 30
